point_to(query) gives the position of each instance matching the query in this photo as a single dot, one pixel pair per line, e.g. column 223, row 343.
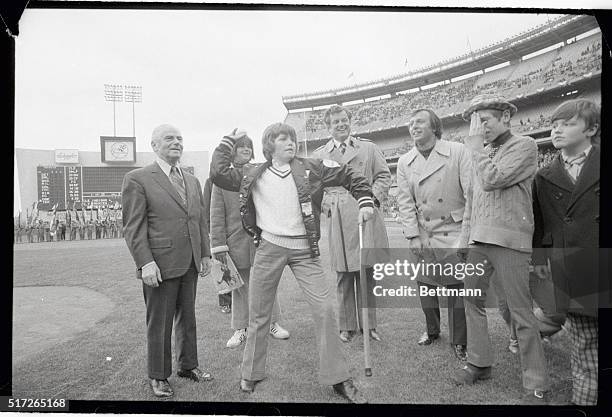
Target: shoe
column 373, row 335
column 469, row 374
column 460, row 352
column 237, row 339
column 226, row 309
column 513, row 346
column 346, row 335
column 195, row 374
column 278, row 332
column 247, row 385
column 535, row 397
column 350, row 392
column 161, row 388
column 427, row 339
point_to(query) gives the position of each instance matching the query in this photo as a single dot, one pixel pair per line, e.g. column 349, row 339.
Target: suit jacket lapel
column 352, row 149
column 336, row 155
column 434, row 162
column 556, row 174
column 589, row 175
column 331, row 152
column 164, row 182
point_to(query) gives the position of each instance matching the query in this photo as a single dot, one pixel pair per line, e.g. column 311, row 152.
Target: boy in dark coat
column 566, row 212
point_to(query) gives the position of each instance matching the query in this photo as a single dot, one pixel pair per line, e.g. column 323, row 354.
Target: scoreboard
column 89, row 187
column 51, row 186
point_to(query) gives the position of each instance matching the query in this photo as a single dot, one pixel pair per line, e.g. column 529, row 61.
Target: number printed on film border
column 33, row 404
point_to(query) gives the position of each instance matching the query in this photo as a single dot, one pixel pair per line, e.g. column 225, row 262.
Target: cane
column 364, row 305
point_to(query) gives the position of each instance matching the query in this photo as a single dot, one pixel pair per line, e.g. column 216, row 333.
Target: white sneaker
column 237, row 339
column 278, row 332
column 513, row 346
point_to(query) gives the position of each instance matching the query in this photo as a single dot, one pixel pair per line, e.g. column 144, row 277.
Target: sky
column 210, row 71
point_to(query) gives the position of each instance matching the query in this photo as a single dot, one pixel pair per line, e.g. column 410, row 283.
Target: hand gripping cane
column 364, row 305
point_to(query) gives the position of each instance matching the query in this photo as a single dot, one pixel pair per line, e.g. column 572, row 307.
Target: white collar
column 337, row 143
column 166, row 167
column 281, row 166
column 585, row 152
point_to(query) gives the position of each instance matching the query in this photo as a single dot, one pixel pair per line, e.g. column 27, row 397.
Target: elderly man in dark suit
column 165, row 230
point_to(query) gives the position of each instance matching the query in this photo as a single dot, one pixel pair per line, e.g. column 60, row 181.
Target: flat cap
column 489, row 101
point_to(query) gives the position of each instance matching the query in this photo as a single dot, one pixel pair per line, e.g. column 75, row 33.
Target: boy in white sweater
column 280, row 203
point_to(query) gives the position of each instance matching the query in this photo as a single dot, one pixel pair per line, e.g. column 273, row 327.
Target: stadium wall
column 28, row 160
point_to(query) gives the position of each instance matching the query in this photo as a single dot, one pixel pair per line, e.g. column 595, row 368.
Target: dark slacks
column 543, row 293
column 225, row 299
column 349, row 313
column 172, row 302
column 456, row 315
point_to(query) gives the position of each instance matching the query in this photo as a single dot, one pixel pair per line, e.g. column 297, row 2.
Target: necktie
column 574, row 165
column 177, row 181
column 342, row 148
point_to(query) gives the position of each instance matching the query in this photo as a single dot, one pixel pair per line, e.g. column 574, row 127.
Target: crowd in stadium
column 530, row 125
column 448, row 98
column 544, row 155
column 390, row 206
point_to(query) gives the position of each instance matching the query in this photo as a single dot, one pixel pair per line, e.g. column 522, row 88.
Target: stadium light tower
column 133, row 94
column 114, row 93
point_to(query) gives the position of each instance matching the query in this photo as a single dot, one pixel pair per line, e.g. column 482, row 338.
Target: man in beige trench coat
column 364, row 157
column 433, row 181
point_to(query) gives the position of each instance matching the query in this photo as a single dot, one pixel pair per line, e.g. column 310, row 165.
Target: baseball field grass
column 79, row 333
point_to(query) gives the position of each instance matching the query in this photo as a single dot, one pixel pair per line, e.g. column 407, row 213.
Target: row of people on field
column 485, row 198
column 41, row 231
column 474, row 202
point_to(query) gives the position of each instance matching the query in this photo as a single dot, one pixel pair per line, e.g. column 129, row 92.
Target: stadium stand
column 492, row 76
column 527, row 77
column 537, row 85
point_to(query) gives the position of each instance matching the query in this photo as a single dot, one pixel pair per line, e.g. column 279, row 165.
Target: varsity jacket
column 311, row 176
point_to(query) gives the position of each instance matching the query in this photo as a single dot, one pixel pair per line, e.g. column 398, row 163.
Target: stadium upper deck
column 508, row 50
column 576, row 64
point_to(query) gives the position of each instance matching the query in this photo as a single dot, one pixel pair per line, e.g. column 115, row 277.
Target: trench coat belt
column 336, row 190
